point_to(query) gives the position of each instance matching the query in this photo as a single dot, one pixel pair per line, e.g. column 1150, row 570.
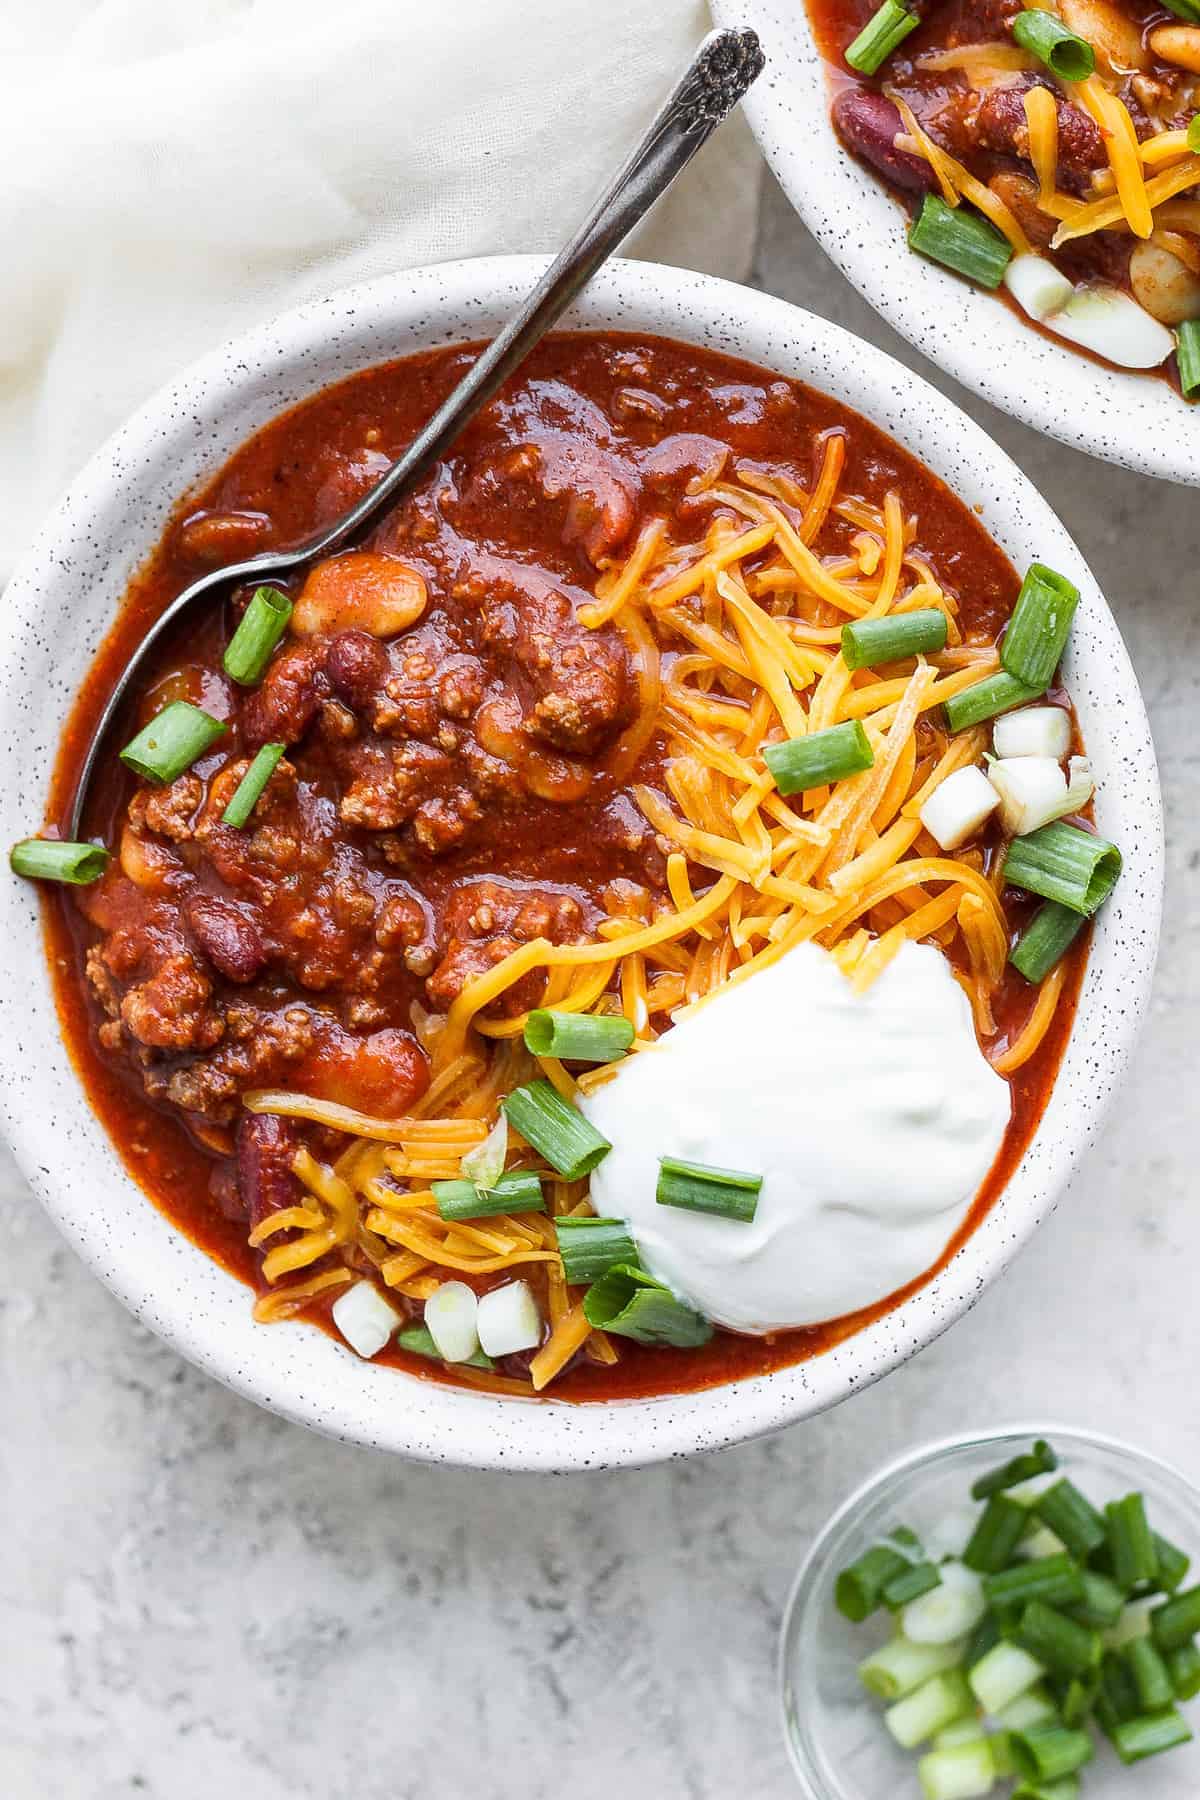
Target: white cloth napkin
column 171, row 174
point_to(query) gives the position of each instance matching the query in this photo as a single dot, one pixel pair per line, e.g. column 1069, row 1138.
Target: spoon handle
column 721, row 71
column 725, row 64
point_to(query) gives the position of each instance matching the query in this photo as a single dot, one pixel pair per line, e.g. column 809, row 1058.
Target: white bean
column 1114, row 36
column 1178, row 44
column 360, row 589
column 1166, row 287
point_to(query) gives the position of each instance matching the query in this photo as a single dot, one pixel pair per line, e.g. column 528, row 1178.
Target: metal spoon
column 725, row 64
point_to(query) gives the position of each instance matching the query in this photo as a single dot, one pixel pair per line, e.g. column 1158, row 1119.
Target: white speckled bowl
column 56, row 610
column 1138, row 422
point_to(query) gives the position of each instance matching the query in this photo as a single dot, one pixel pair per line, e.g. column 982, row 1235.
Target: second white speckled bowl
column 1137, row 421
column 57, row 608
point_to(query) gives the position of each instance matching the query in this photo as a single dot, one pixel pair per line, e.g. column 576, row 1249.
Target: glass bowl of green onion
column 1015, row 1614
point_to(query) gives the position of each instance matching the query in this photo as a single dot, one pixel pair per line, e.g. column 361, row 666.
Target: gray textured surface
column 195, row 1595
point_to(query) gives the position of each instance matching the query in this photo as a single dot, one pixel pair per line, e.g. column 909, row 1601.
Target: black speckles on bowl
column 57, row 608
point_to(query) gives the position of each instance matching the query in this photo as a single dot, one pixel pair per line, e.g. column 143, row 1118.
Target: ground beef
column 172, row 810
column 483, row 923
column 171, row 1009
column 260, row 1049
column 579, row 680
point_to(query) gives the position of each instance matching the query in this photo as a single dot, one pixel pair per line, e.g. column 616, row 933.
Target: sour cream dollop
column 872, row 1118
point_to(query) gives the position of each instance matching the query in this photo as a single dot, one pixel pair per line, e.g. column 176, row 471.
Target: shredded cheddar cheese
column 1112, row 120
column 1041, row 116
column 735, row 640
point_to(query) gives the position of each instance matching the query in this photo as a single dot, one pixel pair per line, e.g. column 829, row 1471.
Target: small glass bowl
column 836, row 1738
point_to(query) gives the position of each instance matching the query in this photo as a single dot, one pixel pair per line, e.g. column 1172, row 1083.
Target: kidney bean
column 283, row 708
column 228, row 935
column 213, row 538
column 869, row 124
column 266, row 1145
column 357, row 665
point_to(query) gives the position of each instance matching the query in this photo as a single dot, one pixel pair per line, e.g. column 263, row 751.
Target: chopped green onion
column 996, row 1536
column 1044, row 942
column 1001, row 1753
column 919, row 1578
column 249, row 789
column 899, row 1667
column 1118, row 1692
column 961, row 240
column 1130, row 1542
column 1003, row 1675
column 961, row 1772
column 1176, row 1621
column 1037, row 633
column 940, row 1702
column 868, row 642
column 880, row 36
column 722, row 1193
column 1041, row 1460
column 418, row 1341
column 1151, row 1677
column 1187, row 335
column 1070, row 1515
column 259, row 630
column 1048, row 39
column 1057, row 1641
column 589, row 1247
column 569, row 1142
column 578, row 1037
column 1183, row 1666
column 984, row 1638
column 1063, row 863
column 1134, row 1621
column 49, row 859
column 632, row 1304
column 1102, row 1603
column 859, row 1589
column 516, row 1191
column 1033, row 1708
column 1077, row 1696
column 1135, row 1739
column 1054, row 1579
column 1066, row 1788
column 984, row 699
column 1046, row 1752
column 483, row 1164
column 967, row 1731
column 1040, row 1542
column 171, row 743
column 823, row 756
column 1173, row 1563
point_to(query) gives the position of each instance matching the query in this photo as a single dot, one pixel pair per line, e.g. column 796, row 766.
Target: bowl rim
column 80, row 563
column 1136, row 422
column 927, row 1454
